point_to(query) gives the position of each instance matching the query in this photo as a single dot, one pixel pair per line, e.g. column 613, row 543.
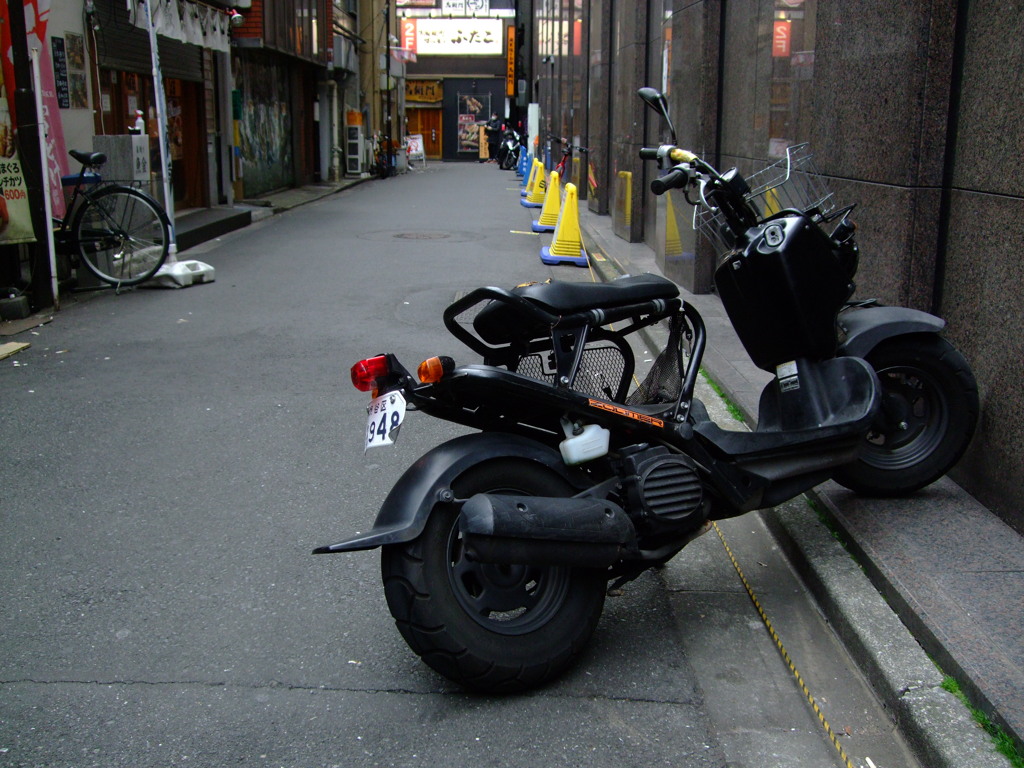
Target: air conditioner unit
column 354, row 150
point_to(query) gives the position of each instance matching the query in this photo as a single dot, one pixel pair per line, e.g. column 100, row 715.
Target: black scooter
column 510, row 149
column 497, row 547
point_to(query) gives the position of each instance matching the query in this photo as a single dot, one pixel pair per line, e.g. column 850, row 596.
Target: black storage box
column 783, row 292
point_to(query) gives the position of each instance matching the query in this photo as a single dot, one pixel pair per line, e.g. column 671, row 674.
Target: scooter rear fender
column 428, row 482
column 866, row 328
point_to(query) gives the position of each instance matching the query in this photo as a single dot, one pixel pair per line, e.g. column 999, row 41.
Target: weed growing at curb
column 730, row 406
column 1003, row 743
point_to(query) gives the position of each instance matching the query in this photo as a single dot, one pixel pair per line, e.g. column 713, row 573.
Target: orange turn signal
column 434, row 369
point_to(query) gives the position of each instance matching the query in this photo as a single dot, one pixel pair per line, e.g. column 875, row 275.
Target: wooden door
column 427, row 123
column 186, row 136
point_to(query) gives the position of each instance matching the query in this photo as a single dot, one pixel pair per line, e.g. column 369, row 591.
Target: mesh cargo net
column 665, row 379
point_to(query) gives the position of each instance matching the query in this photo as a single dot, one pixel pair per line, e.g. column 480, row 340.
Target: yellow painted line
column 521, row 232
column 785, row 654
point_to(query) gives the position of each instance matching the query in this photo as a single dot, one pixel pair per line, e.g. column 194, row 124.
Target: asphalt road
column 171, row 457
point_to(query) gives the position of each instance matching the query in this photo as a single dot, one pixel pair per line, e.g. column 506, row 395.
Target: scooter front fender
column 428, row 482
column 866, row 328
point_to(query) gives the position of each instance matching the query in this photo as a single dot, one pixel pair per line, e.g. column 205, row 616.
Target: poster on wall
column 60, row 72
column 474, row 109
column 15, row 216
column 74, row 46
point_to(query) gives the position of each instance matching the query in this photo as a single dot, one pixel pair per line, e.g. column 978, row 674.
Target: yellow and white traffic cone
column 548, row 219
column 536, row 197
column 567, row 244
column 534, row 169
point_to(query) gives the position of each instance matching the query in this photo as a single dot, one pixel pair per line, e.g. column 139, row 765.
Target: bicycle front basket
column 790, row 183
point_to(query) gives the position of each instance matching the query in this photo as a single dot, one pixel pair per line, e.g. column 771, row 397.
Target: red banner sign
column 37, row 14
column 781, row 39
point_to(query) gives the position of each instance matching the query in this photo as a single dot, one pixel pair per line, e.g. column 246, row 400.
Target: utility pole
column 29, row 138
column 387, row 81
column 161, row 120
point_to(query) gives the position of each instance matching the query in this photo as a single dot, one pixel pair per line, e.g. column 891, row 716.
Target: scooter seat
column 499, row 322
column 565, row 298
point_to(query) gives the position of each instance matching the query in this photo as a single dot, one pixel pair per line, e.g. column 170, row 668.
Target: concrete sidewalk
column 949, row 568
column 204, row 224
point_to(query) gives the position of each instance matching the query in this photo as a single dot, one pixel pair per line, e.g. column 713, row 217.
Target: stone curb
column 936, row 726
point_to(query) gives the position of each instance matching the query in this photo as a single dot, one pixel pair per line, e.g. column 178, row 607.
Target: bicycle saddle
column 88, row 158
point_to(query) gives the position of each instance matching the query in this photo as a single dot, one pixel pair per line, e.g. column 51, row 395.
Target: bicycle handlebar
column 677, row 177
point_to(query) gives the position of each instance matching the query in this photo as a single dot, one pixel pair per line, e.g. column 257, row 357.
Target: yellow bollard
column 567, row 244
column 673, row 242
column 624, row 197
column 548, row 219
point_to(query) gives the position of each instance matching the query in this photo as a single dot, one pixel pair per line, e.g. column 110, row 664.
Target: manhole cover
column 423, row 235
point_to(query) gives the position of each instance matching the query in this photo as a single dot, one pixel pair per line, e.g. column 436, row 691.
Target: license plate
column 385, row 415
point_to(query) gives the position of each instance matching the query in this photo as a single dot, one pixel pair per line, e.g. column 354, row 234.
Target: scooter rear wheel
column 929, row 411
column 495, row 628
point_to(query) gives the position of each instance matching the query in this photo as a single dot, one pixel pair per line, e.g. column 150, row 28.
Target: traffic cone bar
column 567, row 244
column 548, row 219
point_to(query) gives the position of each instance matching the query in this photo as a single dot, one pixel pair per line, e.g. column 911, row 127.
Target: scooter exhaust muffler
column 544, row 530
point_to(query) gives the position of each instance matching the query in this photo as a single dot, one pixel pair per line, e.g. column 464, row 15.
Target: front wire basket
column 792, row 182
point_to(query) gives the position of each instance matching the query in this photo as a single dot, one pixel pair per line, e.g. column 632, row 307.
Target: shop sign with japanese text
column 510, row 61
column 454, row 37
column 430, row 91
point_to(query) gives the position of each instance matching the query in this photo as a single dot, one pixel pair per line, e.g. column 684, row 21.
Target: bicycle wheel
column 122, row 235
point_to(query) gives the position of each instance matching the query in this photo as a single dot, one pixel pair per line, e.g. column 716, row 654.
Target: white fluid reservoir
column 582, row 445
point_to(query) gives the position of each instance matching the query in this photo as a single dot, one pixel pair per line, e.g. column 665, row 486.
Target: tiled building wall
column 872, row 86
column 983, row 275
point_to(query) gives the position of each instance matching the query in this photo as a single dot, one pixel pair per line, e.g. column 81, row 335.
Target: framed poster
column 474, row 109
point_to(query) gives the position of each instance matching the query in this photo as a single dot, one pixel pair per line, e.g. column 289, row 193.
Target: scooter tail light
column 433, row 369
column 366, row 373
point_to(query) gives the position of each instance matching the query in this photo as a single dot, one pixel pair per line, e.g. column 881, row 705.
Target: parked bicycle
column 120, row 234
column 567, row 150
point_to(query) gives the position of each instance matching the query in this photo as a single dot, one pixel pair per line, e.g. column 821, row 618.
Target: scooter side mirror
column 656, row 100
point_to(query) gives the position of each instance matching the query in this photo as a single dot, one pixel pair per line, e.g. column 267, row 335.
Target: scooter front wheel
column 928, row 414
column 495, row 628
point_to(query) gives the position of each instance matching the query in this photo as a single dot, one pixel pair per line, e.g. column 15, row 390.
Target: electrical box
column 354, row 150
